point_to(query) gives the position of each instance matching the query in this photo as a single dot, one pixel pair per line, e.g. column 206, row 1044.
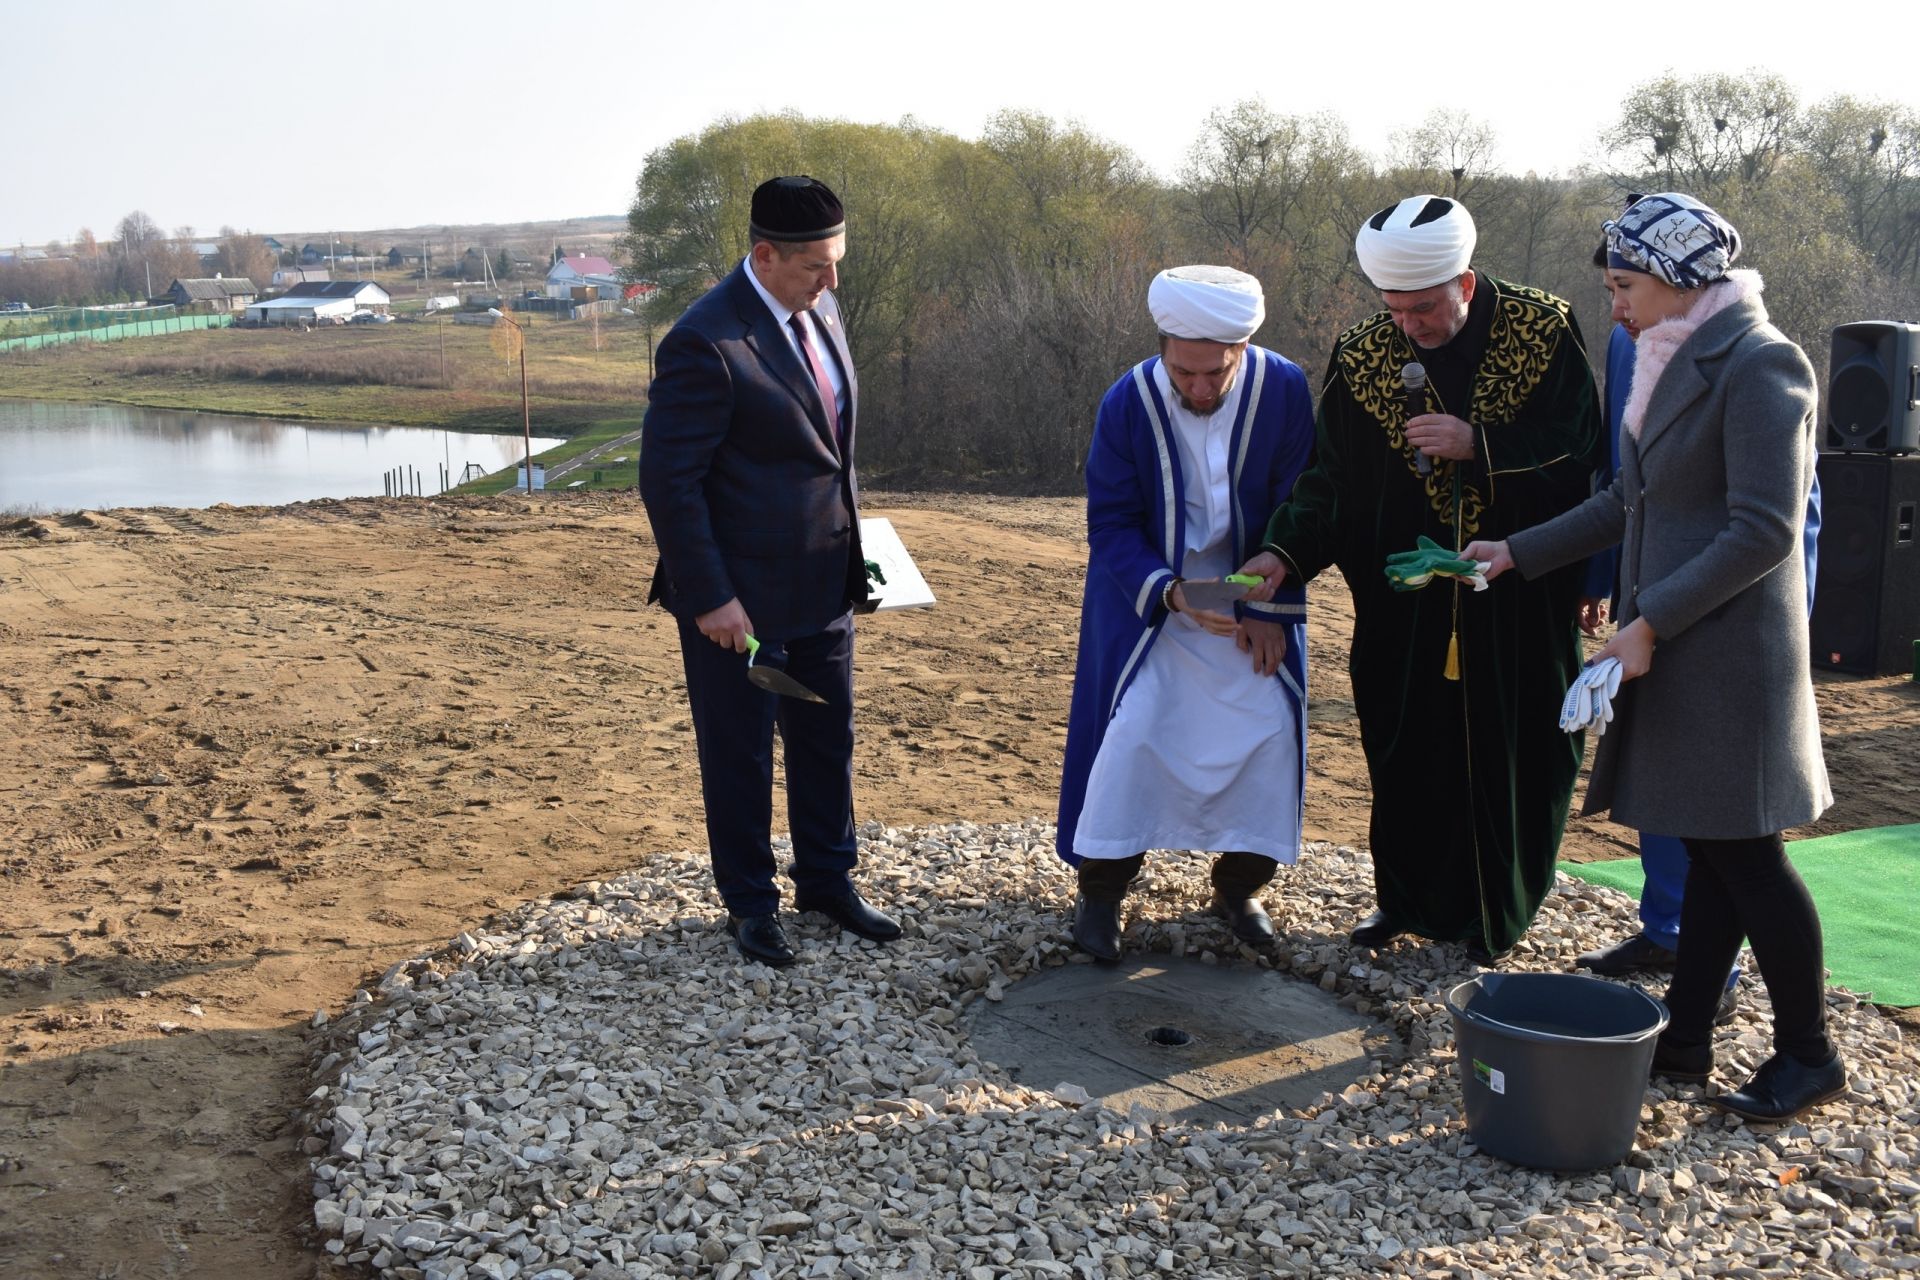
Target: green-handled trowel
column 774, row 680
column 1218, row 595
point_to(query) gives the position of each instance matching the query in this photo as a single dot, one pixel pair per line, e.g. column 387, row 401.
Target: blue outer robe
column 1136, row 528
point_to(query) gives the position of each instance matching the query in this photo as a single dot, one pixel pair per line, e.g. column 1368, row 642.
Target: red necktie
column 821, row 381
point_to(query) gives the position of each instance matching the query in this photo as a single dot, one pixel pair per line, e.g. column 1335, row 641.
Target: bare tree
column 1869, row 154
column 135, row 232
column 244, row 256
column 1068, row 185
column 1250, row 171
column 1450, row 149
column 1538, row 230
column 1704, row 135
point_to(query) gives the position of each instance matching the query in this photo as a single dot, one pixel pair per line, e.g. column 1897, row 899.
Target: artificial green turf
column 1867, row 886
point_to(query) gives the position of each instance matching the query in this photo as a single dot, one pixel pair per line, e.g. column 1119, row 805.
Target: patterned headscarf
column 1674, row 237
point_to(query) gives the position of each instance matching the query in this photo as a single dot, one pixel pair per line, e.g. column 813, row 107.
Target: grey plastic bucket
column 1553, row 1066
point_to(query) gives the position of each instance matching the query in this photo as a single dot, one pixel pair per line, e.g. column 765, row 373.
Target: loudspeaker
column 1866, row 597
column 1873, row 387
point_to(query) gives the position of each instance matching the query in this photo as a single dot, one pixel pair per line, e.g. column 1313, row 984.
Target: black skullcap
column 795, row 210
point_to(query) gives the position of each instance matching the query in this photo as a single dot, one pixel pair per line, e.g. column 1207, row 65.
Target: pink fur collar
column 1656, row 346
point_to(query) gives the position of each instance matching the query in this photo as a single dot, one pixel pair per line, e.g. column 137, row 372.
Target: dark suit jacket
column 742, row 476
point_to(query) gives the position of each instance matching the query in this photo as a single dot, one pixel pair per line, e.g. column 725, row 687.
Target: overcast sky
column 352, row 115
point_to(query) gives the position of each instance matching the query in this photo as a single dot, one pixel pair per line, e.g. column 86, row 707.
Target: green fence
column 119, row 328
column 74, row 319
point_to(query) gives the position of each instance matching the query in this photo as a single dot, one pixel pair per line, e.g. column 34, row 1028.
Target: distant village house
column 320, row 302
column 571, row 276
column 217, row 293
column 290, row 310
column 287, row 277
column 365, row 295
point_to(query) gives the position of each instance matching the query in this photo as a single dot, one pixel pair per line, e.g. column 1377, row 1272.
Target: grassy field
column 601, row 475
column 413, row 373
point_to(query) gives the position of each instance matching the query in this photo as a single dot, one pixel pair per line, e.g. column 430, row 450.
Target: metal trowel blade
column 774, row 680
column 1212, row 596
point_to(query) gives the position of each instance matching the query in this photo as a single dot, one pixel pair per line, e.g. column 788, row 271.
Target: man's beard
column 1218, row 400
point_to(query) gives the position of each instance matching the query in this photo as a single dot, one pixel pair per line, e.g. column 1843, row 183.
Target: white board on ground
column 904, row 587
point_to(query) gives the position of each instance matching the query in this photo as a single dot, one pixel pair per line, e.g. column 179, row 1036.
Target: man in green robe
column 1457, row 691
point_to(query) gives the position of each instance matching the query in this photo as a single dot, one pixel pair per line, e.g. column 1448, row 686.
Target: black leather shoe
column 1783, row 1088
column 1690, row 1065
column 1729, row 1006
column 854, row 914
column 761, row 938
column 1096, row 928
column 1477, row 952
column 1377, row 930
column 1638, row 954
column 1246, row 917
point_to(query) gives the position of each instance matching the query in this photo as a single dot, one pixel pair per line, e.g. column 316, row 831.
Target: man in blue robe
column 1188, row 723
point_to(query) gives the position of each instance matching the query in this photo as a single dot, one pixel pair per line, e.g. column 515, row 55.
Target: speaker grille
column 1866, row 603
column 1873, row 387
column 1858, row 403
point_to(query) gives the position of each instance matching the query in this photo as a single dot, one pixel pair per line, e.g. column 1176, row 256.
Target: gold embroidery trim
column 1528, row 326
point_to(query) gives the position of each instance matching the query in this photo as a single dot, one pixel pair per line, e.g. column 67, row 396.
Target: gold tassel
column 1453, row 656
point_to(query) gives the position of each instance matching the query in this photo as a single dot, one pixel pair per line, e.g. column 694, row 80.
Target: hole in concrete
column 1172, row 1037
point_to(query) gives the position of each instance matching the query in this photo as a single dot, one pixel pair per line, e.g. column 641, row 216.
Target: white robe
column 1200, row 743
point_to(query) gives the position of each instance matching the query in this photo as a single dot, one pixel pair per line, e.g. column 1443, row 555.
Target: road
column 572, row 465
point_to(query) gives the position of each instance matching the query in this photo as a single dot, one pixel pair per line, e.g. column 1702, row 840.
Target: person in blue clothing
column 1188, row 723
column 1663, row 858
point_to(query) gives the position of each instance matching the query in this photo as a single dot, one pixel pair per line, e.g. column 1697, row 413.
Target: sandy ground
column 257, row 756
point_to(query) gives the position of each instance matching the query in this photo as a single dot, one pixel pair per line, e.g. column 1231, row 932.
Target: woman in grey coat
column 1715, row 736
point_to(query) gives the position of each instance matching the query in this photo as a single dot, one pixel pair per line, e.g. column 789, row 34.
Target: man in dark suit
column 746, row 469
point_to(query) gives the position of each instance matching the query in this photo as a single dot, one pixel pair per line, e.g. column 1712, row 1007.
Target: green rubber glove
column 874, row 574
column 1411, row 570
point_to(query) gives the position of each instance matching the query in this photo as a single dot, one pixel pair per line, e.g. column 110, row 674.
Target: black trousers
column 1236, row 875
column 1746, row 889
column 733, row 724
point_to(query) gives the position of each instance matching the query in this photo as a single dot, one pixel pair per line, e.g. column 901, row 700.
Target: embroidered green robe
column 1471, row 776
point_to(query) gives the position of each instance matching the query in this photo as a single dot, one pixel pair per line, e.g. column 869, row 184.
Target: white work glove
column 1590, row 697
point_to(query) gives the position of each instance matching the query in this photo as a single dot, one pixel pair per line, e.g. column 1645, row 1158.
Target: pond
column 70, row 457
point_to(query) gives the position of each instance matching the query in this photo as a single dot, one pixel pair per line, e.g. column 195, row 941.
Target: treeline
column 139, row 262
column 995, row 287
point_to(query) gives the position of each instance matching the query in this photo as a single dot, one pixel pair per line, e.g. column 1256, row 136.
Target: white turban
column 1421, row 242
column 1206, row 304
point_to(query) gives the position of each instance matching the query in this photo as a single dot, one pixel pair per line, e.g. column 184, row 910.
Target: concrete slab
column 1193, row 1042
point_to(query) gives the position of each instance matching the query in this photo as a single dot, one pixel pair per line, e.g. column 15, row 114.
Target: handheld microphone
column 1413, row 376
